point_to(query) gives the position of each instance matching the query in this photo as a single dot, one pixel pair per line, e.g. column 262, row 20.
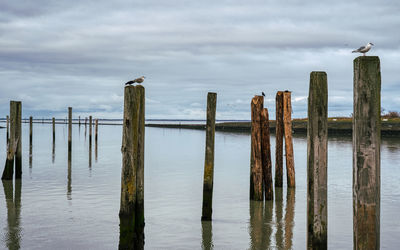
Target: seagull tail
column 354, row 51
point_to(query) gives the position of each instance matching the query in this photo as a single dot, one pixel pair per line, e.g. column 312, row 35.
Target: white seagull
column 363, row 49
column 137, row 80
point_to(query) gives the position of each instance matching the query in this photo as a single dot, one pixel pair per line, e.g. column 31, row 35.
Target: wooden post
column 266, row 155
column 14, row 145
column 131, row 212
column 95, row 138
column 287, row 121
column 8, row 129
column 54, row 129
column 209, row 158
column 90, row 129
column 279, row 140
column 366, row 152
column 257, row 104
column 79, row 120
column 30, row 140
column 317, row 154
column 69, row 130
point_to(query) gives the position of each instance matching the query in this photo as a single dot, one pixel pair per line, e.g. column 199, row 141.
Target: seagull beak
column 372, row 44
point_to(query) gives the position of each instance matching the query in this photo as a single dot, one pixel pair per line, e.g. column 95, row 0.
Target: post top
column 367, row 58
column 135, row 86
column 318, row 73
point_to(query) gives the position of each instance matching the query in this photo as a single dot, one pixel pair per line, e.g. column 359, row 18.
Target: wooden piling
column 266, row 156
column 69, row 130
column 366, row 152
column 30, row 140
column 131, row 212
column 256, row 191
column 79, row 120
column 14, row 145
column 96, row 130
column 287, row 121
column 279, row 140
column 54, row 129
column 8, row 129
column 317, row 154
column 90, row 129
column 209, row 158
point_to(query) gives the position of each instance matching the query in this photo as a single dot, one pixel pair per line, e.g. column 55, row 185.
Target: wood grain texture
column 279, row 140
column 257, row 104
column 266, row 156
column 287, row 121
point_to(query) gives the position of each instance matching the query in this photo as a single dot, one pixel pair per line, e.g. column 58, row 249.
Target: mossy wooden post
column 266, row 156
column 69, row 130
column 14, row 145
column 256, row 191
column 8, row 129
column 279, row 140
column 317, row 154
column 30, row 140
column 366, row 152
column 209, row 158
column 131, row 212
column 287, row 121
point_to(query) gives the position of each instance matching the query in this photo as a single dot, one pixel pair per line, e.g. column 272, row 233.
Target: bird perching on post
column 137, row 80
column 363, row 49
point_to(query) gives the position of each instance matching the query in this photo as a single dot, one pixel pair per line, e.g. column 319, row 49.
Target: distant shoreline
column 335, row 126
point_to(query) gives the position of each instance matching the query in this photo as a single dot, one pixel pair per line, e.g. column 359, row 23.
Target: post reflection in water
column 206, row 234
column 278, row 217
column 260, row 224
column 69, row 178
column 30, row 155
column 95, row 150
column 289, row 216
column 90, row 153
column 13, row 235
column 129, row 238
column 53, row 152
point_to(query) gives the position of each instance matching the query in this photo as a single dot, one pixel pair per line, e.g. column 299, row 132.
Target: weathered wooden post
column 54, row 129
column 8, row 129
column 256, row 191
column 279, row 140
column 131, row 212
column 90, row 129
column 30, row 140
column 14, row 145
column 266, row 155
column 69, row 130
column 366, row 152
column 79, row 120
column 95, row 139
column 209, row 157
column 287, row 121
column 317, row 154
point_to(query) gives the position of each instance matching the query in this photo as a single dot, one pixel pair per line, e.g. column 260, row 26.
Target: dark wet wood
column 209, row 158
column 30, row 140
column 317, row 154
column 287, row 121
column 69, row 130
column 8, row 129
column 279, row 140
column 132, row 177
column 256, row 189
column 366, row 152
column 266, row 156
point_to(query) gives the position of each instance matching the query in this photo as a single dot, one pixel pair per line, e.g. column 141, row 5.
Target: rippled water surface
column 57, row 206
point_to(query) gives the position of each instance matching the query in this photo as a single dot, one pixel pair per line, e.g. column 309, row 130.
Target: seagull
column 363, row 49
column 263, row 94
column 137, row 80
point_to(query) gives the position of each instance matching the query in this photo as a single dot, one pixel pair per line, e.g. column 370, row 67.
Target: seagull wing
column 359, row 49
column 130, row 82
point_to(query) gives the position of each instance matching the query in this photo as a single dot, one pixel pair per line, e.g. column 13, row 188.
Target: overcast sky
column 55, row 54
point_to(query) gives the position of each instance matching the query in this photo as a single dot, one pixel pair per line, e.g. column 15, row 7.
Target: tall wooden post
column 30, row 140
column 287, row 121
column 8, row 129
column 69, row 130
column 131, row 212
column 79, row 120
column 366, row 152
column 209, row 158
column 14, row 145
column 317, row 154
column 90, row 129
column 256, row 191
column 266, row 155
column 279, row 140
column 96, row 130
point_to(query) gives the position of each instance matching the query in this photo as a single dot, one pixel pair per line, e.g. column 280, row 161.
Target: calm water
column 60, row 207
